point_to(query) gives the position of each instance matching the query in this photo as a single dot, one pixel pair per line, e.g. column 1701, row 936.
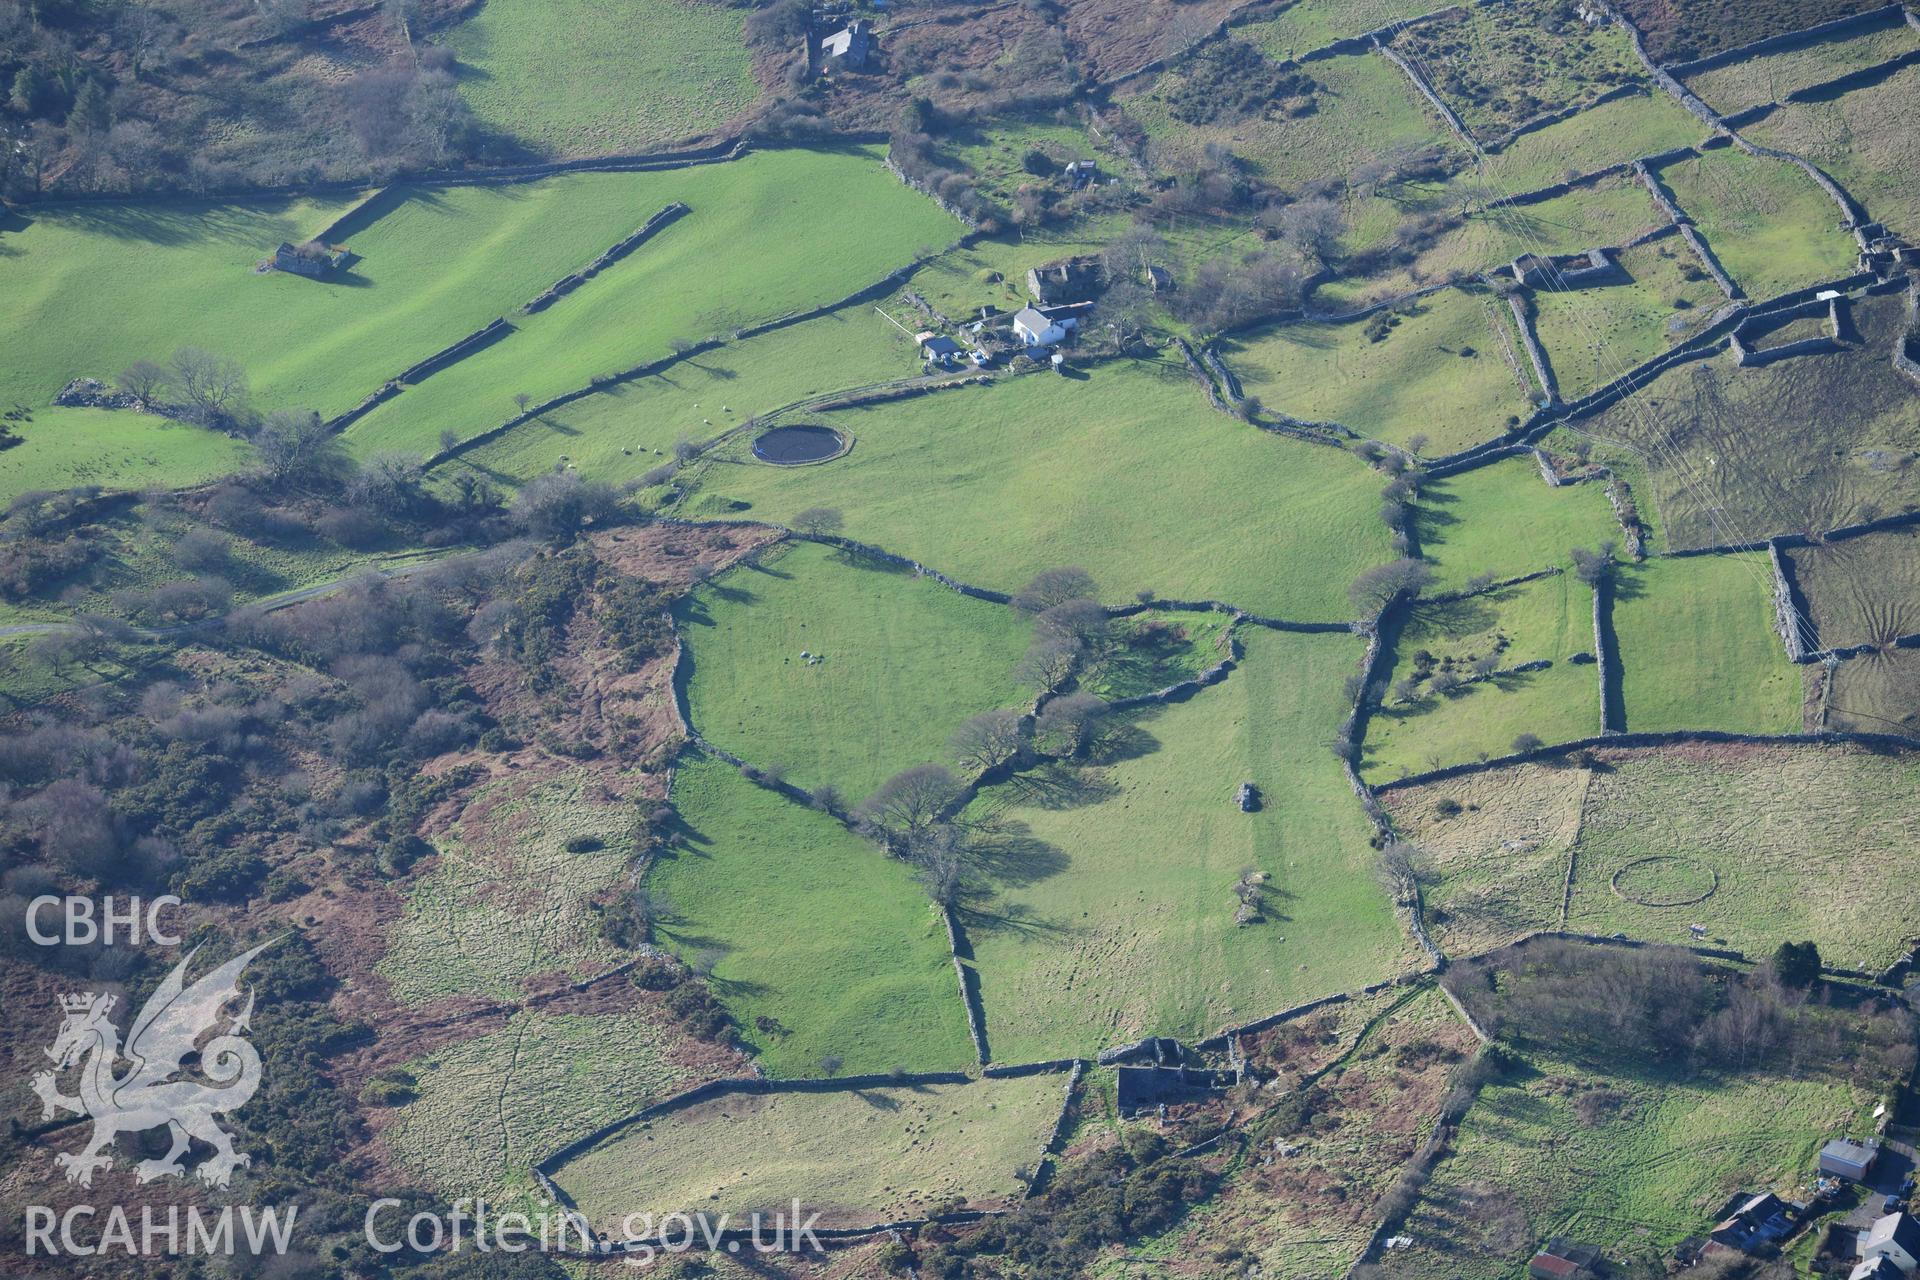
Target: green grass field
column 858, row 1157
column 1698, row 649
column 1595, row 336
column 489, row 1107
column 1865, row 139
column 62, row 448
column 1497, row 72
column 1040, row 470
column 1450, row 369
column 1315, row 24
column 1626, row 128
column 993, row 271
column 1781, row 837
column 1365, row 108
column 1862, row 590
column 727, row 263
column 142, row 552
column 1158, row 649
column 507, row 901
column 903, row 661
column 1611, row 211
column 1771, row 77
column 1771, row 226
column 1846, row 452
column 588, row 77
column 1651, row 1171
column 997, row 155
column 809, row 927
column 1506, row 520
column 435, row 264
column 1547, row 619
column 1117, row 917
column 1495, row 848
column 629, row 429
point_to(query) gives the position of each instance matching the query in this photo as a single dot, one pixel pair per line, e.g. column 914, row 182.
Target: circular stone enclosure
column 1666, row 881
column 800, row 444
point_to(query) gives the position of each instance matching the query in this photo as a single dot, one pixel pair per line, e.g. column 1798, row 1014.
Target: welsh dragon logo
column 150, row 1094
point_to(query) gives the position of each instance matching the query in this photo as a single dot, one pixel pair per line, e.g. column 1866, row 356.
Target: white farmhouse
column 1034, row 329
column 1896, row 1238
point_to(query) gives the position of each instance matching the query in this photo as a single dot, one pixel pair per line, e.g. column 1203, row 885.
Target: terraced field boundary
column 758, row 1086
column 1890, row 14
column 1665, row 738
column 731, row 148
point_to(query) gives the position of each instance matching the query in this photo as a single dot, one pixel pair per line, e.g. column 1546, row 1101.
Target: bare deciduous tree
column 296, row 449
column 1372, row 590
column 1049, row 660
column 818, row 522
column 214, row 387
column 1069, row 724
column 1055, row 586
column 907, row 804
column 143, row 380
column 988, row 740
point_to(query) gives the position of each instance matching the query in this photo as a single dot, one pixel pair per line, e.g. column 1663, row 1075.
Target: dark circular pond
column 790, row 446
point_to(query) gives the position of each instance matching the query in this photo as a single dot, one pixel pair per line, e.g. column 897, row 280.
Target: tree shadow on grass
column 988, row 915
column 1057, row 786
column 1431, row 518
column 858, row 558
column 1007, row 855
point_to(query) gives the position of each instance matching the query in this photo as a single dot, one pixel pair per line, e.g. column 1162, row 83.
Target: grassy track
column 1548, row 619
column 1505, row 520
column 1770, row 225
column 863, row 1156
column 1042, row 470
column 1595, row 336
column 810, row 928
column 1698, row 648
column 727, row 263
column 627, row 430
column 1441, row 371
column 589, row 77
column 1626, row 128
column 1116, row 919
column 903, row 662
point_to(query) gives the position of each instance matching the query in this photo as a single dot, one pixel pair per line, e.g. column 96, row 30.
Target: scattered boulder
column 1248, row 797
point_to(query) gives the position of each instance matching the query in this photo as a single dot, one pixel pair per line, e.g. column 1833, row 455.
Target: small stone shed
column 314, row 260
